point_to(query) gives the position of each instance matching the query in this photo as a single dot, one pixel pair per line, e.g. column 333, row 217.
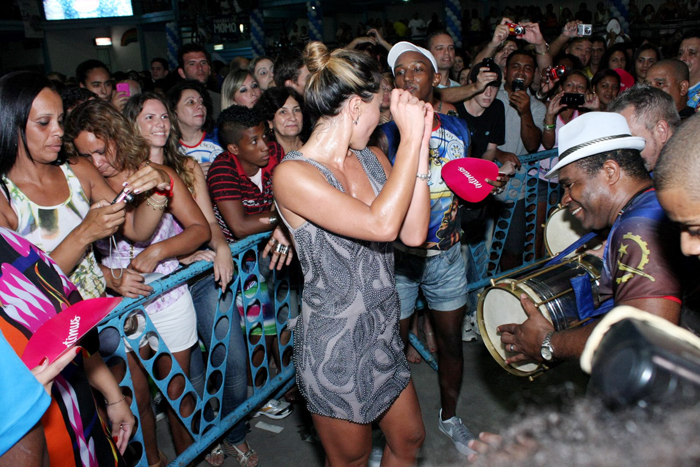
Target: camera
column 123, row 196
column 573, row 99
column 518, row 84
column 556, row 72
column 585, row 29
column 515, row 29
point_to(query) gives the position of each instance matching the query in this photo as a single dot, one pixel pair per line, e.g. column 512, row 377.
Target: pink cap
column 65, row 329
column 626, row 80
column 467, row 178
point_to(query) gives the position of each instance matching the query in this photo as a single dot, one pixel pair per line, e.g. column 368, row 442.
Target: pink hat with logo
column 467, row 177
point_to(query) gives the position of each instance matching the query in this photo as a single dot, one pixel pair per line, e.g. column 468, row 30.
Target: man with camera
column 575, row 40
column 524, row 114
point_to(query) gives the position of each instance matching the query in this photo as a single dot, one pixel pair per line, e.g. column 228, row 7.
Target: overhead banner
column 220, row 29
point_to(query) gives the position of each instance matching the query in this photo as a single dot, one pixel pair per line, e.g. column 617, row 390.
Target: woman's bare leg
column 346, row 444
column 403, row 429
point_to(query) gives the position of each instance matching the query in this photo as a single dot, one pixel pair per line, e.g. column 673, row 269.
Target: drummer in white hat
column 605, row 186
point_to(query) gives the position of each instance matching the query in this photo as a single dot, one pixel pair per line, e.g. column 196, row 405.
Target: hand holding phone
column 573, row 99
column 124, row 87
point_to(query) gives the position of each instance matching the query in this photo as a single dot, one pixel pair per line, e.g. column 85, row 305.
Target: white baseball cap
column 402, row 47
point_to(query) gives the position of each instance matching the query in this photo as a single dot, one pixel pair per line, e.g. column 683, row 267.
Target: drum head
column 499, row 305
column 562, row 229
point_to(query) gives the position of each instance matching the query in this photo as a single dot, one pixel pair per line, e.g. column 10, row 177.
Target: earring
column 356, row 120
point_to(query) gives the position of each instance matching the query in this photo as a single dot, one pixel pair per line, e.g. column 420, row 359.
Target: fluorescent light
column 241, row 28
column 103, row 41
column 218, row 46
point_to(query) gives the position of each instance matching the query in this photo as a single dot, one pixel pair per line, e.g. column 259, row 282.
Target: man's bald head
column 679, row 163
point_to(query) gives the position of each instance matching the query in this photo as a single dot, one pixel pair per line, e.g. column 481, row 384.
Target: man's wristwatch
column 547, row 351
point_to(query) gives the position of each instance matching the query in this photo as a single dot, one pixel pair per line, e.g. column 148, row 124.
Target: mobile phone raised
column 123, row 87
column 573, row 99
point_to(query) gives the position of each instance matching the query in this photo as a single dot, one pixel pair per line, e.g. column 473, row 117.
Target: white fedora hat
column 402, row 47
column 593, row 133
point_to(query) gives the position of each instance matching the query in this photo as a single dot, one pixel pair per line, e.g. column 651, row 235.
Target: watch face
column 546, row 353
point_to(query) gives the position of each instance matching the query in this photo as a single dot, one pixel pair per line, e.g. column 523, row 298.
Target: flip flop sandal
column 216, row 451
column 244, row 459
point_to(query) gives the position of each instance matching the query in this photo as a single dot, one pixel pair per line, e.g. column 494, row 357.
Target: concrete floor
column 490, row 399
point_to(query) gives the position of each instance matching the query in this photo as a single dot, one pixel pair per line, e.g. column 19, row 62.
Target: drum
column 561, row 230
column 550, row 289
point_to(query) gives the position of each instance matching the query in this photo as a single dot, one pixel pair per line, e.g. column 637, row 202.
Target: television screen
column 81, row 9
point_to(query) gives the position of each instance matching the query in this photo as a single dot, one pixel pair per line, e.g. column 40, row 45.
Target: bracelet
column 109, row 404
column 272, row 220
column 542, row 53
column 550, row 127
column 424, row 177
column 169, row 192
column 156, row 205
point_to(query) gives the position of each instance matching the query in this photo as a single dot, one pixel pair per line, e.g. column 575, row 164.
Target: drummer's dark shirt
column 643, row 255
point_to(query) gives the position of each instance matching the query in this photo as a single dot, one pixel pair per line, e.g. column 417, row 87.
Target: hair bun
column 316, row 56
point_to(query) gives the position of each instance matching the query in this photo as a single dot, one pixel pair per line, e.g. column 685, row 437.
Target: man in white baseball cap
column 606, row 186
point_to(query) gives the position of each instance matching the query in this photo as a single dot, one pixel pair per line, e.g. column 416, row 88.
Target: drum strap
column 573, row 247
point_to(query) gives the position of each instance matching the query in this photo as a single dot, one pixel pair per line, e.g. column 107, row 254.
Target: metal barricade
column 205, row 424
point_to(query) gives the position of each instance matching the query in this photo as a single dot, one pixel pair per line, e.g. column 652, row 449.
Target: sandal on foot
column 244, row 459
column 216, row 451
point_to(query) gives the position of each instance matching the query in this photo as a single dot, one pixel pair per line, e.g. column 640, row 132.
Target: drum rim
column 520, row 288
column 547, row 247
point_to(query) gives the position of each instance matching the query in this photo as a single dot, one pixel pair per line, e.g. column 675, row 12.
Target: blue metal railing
column 206, row 426
column 205, row 423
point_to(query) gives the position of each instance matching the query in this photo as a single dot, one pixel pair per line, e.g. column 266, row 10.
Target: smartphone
column 123, row 87
column 123, row 196
column 572, row 99
column 518, row 85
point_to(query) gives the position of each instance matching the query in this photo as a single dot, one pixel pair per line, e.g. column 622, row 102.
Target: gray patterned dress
column 347, row 351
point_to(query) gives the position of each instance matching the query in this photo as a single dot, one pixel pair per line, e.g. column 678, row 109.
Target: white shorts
column 176, row 324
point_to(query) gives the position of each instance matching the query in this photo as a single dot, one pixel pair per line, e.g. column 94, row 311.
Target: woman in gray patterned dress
column 344, row 204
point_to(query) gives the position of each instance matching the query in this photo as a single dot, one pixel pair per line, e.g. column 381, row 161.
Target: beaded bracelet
column 155, row 205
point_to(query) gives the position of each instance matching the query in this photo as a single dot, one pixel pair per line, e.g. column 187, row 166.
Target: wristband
column 109, row 404
column 169, row 192
column 550, row 127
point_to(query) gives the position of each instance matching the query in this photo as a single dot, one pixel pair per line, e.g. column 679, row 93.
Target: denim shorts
column 442, row 278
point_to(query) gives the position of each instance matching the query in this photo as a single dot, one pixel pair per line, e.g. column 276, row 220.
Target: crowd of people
column 338, row 153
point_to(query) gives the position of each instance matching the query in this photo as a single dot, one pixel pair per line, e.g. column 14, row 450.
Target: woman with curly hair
column 63, row 208
column 90, row 128
column 151, row 118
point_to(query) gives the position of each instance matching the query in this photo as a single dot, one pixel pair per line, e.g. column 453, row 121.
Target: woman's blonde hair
column 232, row 83
column 107, row 124
column 172, row 157
column 336, row 76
